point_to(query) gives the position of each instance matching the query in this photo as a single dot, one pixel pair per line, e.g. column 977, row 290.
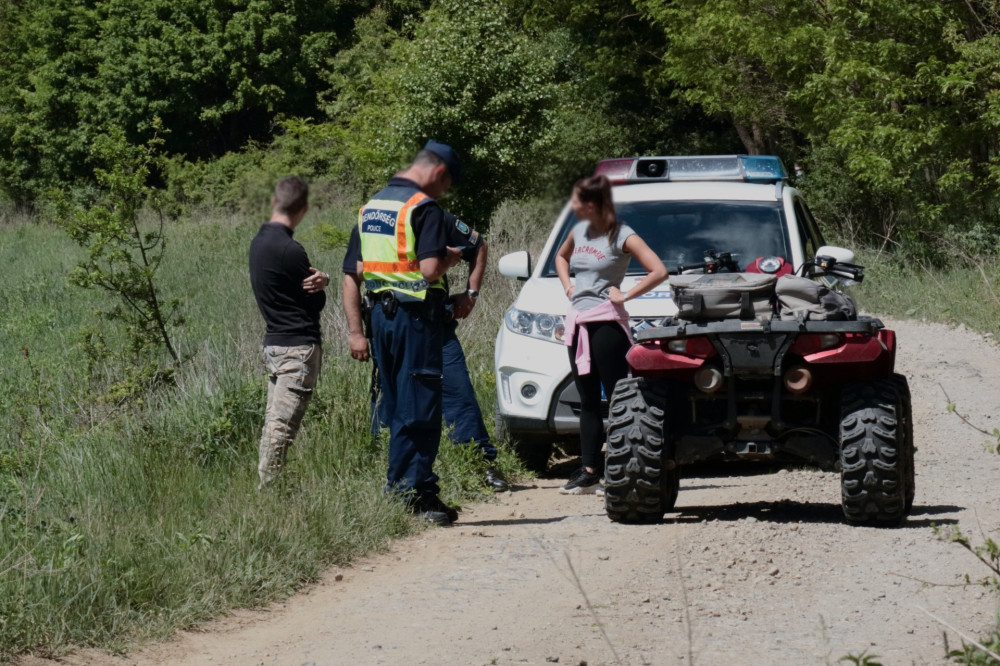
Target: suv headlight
column 536, row 325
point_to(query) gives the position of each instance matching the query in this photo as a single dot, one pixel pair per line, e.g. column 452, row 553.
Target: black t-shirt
column 278, row 265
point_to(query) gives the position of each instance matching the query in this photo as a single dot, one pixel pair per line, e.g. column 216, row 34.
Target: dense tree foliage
column 216, row 72
column 738, row 60
column 619, row 55
column 892, row 106
column 470, row 73
column 895, row 97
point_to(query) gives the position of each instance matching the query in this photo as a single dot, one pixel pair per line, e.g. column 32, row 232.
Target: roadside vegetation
column 127, row 500
column 963, row 291
column 126, row 515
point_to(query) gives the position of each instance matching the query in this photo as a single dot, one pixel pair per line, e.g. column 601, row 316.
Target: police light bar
column 749, row 168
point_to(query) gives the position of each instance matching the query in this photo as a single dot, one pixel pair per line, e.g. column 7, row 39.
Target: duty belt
column 408, row 285
column 432, row 308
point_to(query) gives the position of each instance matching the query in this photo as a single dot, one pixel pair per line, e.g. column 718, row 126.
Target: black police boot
column 433, row 510
column 496, row 481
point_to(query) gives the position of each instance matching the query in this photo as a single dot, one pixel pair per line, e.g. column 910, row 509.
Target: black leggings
column 608, row 346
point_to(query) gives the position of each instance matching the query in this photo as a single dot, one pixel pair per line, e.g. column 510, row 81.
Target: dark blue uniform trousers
column 461, row 409
column 407, row 349
column 462, row 415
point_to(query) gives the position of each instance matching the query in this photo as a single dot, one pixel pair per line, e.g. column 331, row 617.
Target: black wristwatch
column 473, row 293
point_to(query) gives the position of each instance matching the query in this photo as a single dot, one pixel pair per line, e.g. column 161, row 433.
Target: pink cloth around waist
column 607, row 311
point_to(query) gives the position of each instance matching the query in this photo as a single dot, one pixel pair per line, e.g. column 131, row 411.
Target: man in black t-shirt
column 289, row 293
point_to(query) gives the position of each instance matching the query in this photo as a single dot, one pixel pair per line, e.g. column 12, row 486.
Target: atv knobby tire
column 874, row 453
column 641, row 480
column 909, row 448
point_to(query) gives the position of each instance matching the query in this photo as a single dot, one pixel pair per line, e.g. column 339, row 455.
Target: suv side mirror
column 516, row 265
column 841, row 254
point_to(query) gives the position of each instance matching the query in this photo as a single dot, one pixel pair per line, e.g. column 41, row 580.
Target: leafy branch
column 995, row 434
column 988, row 553
column 124, row 257
column 962, row 653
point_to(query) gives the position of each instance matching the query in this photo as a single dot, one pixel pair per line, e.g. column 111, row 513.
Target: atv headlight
column 678, row 346
column 535, row 325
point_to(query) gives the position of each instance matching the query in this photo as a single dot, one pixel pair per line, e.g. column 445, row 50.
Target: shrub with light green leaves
column 510, row 99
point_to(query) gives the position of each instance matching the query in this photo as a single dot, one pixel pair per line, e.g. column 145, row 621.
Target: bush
column 511, row 100
column 218, row 74
column 243, row 181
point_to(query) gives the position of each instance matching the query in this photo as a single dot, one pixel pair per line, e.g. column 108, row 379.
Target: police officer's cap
column 445, row 152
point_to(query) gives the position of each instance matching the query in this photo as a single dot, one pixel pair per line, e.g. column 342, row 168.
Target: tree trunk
column 746, row 137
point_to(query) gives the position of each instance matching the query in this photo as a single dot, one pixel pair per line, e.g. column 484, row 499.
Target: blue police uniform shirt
column 462, row 236
column 429, row 222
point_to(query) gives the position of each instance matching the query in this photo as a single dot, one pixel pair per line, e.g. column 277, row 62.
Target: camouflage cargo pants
column 292, row 374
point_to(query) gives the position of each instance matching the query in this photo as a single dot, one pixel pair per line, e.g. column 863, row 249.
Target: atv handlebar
column 713, row 263
column 824, row 265
column 817, row 267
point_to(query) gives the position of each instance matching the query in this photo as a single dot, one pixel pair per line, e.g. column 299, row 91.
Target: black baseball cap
column 446, row 153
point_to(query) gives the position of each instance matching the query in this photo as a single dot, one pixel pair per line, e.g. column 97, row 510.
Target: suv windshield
column 680, row 231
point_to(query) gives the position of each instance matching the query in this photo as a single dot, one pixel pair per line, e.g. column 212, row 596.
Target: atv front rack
column 679, row 328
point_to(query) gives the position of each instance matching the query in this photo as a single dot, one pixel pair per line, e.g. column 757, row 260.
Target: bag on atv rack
column 723, row 295
column 800, row 298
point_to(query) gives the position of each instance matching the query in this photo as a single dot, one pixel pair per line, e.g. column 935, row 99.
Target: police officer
column 462, row 415
column 402, row 239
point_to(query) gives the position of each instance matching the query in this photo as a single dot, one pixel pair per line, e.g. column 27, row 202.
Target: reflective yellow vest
column 388, row 246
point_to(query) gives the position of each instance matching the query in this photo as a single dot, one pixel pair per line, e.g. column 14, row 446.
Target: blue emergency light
column 763, row 167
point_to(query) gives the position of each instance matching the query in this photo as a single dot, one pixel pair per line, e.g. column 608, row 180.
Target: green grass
column 120, row 522
column 962, row 293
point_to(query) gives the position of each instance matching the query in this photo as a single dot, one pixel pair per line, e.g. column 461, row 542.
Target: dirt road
column 750, row 569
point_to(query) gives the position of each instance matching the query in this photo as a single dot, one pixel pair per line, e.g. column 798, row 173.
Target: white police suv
column 682, row 207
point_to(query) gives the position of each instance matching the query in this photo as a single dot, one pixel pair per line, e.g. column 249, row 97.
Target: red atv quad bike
column 751, row 368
